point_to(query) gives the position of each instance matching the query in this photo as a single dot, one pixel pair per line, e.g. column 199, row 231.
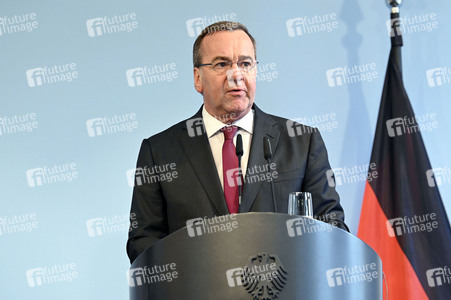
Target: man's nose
column 235, row 75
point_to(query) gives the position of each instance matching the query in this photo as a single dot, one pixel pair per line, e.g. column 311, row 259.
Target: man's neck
column 228, row 118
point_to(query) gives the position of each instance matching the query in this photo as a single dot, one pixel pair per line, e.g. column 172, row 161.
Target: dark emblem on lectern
column 264, row 276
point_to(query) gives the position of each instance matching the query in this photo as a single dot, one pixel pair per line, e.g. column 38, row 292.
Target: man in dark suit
column 186, row 172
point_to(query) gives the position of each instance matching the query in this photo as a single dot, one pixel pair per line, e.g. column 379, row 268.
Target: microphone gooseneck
column 267, row 151
column 239, row 153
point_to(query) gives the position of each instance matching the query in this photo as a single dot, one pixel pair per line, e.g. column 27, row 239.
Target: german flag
column 402, row 216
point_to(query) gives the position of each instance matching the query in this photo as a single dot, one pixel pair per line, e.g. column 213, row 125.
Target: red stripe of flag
column 401, row 279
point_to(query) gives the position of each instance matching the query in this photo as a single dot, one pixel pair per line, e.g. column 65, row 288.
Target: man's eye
column 221, row 64
column 245, row 64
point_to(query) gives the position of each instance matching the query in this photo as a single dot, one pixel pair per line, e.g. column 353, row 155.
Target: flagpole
column 396, row 33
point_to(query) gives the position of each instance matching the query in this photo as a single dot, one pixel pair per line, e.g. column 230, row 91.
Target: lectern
column 257, row 256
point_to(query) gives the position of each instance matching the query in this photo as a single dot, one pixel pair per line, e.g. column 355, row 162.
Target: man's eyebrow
column 241, row 57
column 221, row 58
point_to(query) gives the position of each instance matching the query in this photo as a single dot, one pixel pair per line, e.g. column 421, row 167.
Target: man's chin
column 240, row 110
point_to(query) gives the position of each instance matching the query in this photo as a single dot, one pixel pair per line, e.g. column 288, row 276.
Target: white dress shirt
column 216, row 138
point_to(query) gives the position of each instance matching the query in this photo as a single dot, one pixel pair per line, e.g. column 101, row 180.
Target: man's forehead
column 219, row 43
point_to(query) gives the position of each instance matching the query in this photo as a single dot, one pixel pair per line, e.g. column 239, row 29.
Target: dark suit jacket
column 162, row 207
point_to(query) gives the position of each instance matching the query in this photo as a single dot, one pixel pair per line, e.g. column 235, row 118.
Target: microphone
column 239, row 146
column 268, row 156
column 267, row 148
column 239, row 153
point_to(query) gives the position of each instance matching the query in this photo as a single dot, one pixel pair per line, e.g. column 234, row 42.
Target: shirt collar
column 213, row 125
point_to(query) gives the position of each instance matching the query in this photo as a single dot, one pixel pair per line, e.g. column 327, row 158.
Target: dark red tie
column 231, row 174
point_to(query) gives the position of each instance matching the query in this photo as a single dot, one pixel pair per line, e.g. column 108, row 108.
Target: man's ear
column 198, row 80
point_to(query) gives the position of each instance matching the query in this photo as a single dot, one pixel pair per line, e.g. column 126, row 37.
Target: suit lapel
column 264, row 125
column 197, row 149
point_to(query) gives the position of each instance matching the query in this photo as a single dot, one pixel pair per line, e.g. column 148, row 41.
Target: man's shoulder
column 183, row 127
column 171, row 132
column 277, row 119
column 292, row 127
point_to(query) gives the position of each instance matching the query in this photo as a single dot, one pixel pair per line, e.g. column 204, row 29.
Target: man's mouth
column 236, row 91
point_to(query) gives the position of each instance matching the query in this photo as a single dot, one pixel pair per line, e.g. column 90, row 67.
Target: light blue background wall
column 79, row 227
